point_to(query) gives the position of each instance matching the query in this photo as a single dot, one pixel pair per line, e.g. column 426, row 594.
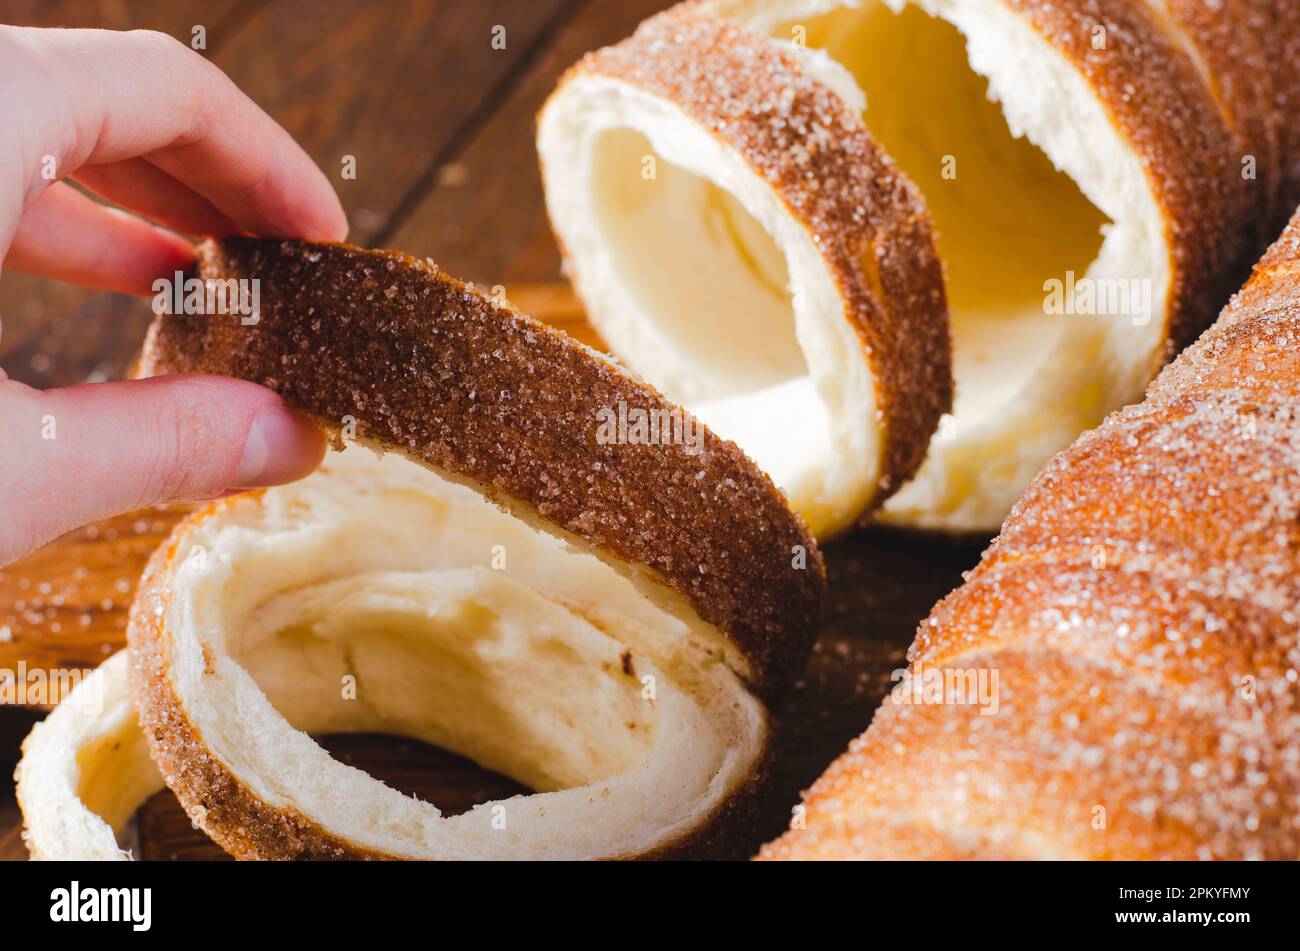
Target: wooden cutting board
column 65, row 606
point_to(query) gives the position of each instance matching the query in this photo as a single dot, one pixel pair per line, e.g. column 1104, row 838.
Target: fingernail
column 281, row 446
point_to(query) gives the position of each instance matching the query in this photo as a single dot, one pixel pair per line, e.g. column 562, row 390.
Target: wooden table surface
column 441, row 127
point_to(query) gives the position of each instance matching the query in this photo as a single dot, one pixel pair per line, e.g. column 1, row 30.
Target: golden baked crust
column 431, row 368
column 1232, row 42
column 866, row 218
column 1139, row 609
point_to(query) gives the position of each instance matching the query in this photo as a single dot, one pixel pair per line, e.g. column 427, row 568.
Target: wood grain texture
column 176, row 17
column 394, row 85
column 57, row 334
column 485, row 219
column 14, row 725
column 391, row 84
column 65, row 606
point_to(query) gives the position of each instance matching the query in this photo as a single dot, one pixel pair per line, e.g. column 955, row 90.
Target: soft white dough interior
column 85, row 770
column 698, row 278
column 718, row 291
column 376, row 596
column 709, row 272
column 1006, row 218
column 695, row 282
column 1027, row 182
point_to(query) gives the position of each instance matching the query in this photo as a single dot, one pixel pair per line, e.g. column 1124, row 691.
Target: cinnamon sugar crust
column 1141, row 609
column 419, row 363
column 430, row 367
column 1082, row 761
column 866, row 217
column 1234, row 44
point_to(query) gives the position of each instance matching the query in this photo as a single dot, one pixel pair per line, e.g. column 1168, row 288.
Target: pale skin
column 149, row 125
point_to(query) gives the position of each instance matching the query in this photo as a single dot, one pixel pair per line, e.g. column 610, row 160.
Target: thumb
column 75, row 455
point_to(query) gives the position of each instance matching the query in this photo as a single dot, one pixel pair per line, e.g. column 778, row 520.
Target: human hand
column 142, row 121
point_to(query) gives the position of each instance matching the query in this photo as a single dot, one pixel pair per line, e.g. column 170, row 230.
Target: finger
column 88, row 452
column 107, row 97
column 147, row 190
column 69, row 236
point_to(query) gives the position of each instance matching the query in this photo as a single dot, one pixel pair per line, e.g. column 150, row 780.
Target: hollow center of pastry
column 461, row 658
column 375, row 596
column 115, row 773
column 1007, row 220
column 716, row 291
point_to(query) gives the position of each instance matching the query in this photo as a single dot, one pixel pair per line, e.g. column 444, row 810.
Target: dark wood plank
column 391, row 84
column 388, row 83
column 59, row 335
column 882, row 584
column 15, row 724
column 56, row 334
column 65, row 606
column 177, row 18
column 485, row 220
